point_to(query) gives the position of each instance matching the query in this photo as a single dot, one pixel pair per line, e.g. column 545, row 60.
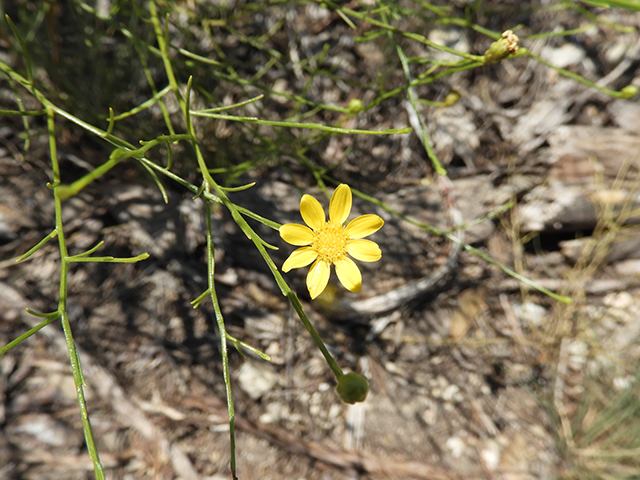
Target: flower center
column 330, row 242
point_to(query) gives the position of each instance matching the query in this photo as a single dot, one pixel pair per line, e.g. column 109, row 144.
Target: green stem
column 35, row 248
column 79, row 259
column 27, row 113
column 164, row 50
column 575, row 76
column 223, row 338
column 627, row 4
column 50, row 106
column 26, row 335
column 208, row 195
column 414, row 36
column 76, row 368
column 210, row 246
column 118, row 155
column 507, row 270
column 312, row 126
column 426, row 142
column 67, row 191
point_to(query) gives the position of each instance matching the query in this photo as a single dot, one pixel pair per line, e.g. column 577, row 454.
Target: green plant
column 207, row 168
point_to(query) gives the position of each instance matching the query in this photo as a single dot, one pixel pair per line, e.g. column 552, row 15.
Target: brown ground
column 473, row 376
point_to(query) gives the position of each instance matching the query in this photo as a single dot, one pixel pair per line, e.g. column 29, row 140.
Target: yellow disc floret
column 330, row 242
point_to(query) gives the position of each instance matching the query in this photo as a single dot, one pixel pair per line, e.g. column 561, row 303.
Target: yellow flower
column 329, row 242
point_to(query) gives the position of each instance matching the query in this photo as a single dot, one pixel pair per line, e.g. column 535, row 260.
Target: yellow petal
column 364, row 250
column 364, row 225
column 340, row 204
column 349, row 274
column 300, row 257
column 312, row 212
column 296, row 234
column 318, row 278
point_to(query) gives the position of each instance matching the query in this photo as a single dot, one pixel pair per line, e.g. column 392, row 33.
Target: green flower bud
column 355, row 105
column 502, row 48
column 352, row 388
column 451, row 99
column 629, row 91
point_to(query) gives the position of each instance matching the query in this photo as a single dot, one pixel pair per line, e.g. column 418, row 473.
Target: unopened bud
column 352, row 388
column 451, row 99
column 502, row 48
column 629, row 91
column 355, row 105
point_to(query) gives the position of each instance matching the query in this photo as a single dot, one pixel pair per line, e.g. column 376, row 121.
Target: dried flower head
column 512, row 41
column 506, row 45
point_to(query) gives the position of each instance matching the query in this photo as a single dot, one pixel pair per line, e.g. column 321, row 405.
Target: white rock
column 450, row 392
column 256, row 379
column 622, row 383
column 430, row 413
column 627, row 268
column 491, row 455
column 456, row 446
column 530, row 312
column 621, row 300
column 275, row 412
column 564, row 56
column 455, row 38
column 577, row 351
